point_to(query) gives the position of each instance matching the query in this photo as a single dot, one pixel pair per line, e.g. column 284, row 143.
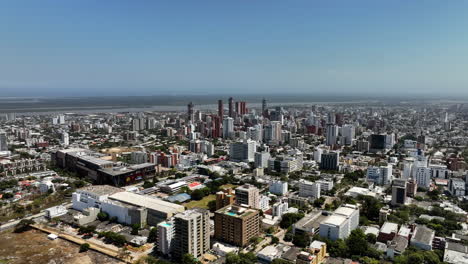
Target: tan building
column 192, row 233
column 316, row 255
column 236, row 225
column 248, row 195
column 224, row 198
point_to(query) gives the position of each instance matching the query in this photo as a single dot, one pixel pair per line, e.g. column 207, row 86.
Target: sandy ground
column 34, row 247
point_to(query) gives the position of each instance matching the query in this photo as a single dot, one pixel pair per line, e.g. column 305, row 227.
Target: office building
column 330, row 161
column 248, row 195
column 220, row 109
column 231, row 107
column 377, row 143
column 190, row 115
column 228, row 127
column 457, row 187
column 261, row 159
column 399, row 192
column 279, row 188
column 422, row 176
column 340, row 224
column 192, row 233
column 236, row 225
column 309, row 189
column 380, row 175
column 243, row 151
column 325, row 185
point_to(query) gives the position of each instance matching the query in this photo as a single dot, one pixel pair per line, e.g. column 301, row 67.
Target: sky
column 150, row 47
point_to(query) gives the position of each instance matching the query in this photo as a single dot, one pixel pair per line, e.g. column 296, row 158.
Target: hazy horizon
column 152, row 48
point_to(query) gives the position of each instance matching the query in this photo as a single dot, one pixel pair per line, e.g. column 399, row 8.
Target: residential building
column 224, row 198
column 457, row 187
column 261, row 159
column 165, row 237
column 279, row 188
column 422, row 237
column 236, row 225
column 192, row 233
column 243, row 151
column 309, row 189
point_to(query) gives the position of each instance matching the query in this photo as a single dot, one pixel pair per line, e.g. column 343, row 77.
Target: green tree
column 24, row 225
column 301, row 240
column 197, row 195
column 357, row 243
column 153, row 234
column 103, row 216
column 289, row 219
column 281, row 261
column 189, row 259
column 371, row 238
column 84, row 247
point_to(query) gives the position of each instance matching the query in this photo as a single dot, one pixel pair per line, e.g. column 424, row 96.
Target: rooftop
column 335, row 220
column 388, row 228
column 147, row 202
column 236, row 211
column 101, row 189
column 423, row 235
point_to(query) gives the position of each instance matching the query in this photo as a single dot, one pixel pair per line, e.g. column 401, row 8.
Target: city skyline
column 150, row 48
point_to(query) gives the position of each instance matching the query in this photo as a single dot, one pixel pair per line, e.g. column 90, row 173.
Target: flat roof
column 389, row 227
column 345, row 211
column 101, row 189
column 335, row 220
column 147, row 202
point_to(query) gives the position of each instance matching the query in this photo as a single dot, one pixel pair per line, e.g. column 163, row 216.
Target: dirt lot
column 34, row 247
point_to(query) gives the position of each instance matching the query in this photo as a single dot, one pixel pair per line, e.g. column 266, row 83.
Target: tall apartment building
column 192, row 233
column 348, row 133
column 279, row 188
column 423, row 176
column 224, row 198
column 332, row 134
column 165, row 237
column 236, row 225
column 248, row 195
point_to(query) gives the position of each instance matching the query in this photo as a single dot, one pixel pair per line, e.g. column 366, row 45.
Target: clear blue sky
column 90, row 47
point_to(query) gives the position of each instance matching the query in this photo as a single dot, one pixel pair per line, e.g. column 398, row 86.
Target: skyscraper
column 192, row 233
column 330, row 161
column 190, row 111
column 264, row 106
column 220, row 109
column 243, row 151
column 399, row 192
column 231, row 107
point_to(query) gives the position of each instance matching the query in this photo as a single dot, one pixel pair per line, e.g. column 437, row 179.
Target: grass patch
column 203, row 203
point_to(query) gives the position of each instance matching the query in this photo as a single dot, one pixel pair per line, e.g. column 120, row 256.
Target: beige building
column 248, row 195
column 192, row 233
column 236, row 225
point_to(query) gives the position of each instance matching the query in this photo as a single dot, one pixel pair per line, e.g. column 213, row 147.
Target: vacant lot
column 203, row 203
column 34, row 247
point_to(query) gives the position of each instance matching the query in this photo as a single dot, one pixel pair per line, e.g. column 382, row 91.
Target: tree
column 197, row 195
column 289, row 219
column 274, row 240
column 86, row 230
column 24, row 225
column 301, row 240
column 84, row 247
column 370, row 207
column 188, row 259
column 153, row 234
column 281, row 261
column 371, row 238
column 148, row 184
column 102, row 216
column 357, row 243
column 135, row 228
column 319, row 202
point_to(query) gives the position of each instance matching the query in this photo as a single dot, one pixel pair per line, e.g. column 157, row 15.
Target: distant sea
column 50, row 105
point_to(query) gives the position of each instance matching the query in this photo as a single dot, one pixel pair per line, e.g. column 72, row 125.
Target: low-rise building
column 422, row 237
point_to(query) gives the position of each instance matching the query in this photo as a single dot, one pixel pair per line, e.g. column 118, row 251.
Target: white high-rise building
column 279, row 188
column 61, row 119
column 332, row 134
column 309, row 189
column 348, row 133
column 165, row 236
column 243, row 151
column 255, row 133
column 65, row 139
column 423, row 176
column 273, row 132
column 228, row 127
column 318, row 155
